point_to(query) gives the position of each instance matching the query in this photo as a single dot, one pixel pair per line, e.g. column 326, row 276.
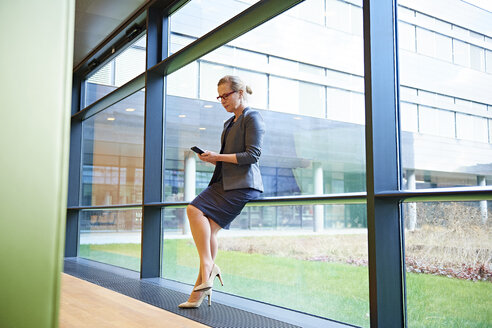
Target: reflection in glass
column 299, row 152
column 111, row 236
column 121, row 69
column 198, row 17
column 313, row 106
column 112, row 157
column 445, row 138
column 272, row 255
column 448, row 252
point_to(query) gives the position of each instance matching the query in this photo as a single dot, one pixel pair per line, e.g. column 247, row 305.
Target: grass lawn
column 334, row 290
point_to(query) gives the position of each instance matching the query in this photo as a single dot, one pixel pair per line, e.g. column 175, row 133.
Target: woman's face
column 230, row 100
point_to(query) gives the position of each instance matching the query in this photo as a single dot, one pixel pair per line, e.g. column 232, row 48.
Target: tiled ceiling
column 96, row 19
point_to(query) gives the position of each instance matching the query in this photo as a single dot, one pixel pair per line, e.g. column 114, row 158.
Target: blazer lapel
column 226, row 123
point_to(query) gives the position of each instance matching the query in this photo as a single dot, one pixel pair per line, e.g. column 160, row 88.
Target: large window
column 111, row 236
column 445, row 143
column 448, row 249
column 271, row 255
column 444, row 114
column 112, row 174
column 112, row 154
column 313, row 108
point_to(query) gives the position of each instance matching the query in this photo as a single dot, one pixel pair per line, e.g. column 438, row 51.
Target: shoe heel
column 220, row 278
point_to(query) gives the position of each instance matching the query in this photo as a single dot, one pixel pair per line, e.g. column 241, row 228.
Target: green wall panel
column 35, row 86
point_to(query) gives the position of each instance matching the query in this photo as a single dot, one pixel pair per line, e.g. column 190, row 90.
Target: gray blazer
column 245, row 139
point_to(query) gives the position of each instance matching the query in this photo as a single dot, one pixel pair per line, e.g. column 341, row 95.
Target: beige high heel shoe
column 193, row 305
column 210, row 282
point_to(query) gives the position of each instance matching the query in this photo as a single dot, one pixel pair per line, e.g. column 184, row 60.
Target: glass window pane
column 198, row 17
column 488, row 61
column 322, row 274
column 490, row 130
column 461, row 52
column 356, row 20
column 124, row 67
column 444, row 48
column 479, row 108
column 436, row 122
column 312, row 11
column 426, row 43
column 345, row 106
column 312, row 100
column 129, row 64
column 409, row 117
column 338, row 15
column 406, row 34
column 407, row 93
column 112, row 154
column 477, row 58
column 259, row 84
column 305, row 151
column 452, row 145
column 279, row 88
column 210, row 74
column 471, row 127
column 111, row 236
column 184, row 82
column 448, row 247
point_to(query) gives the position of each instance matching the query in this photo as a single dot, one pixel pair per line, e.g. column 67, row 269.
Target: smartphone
column 197, row 150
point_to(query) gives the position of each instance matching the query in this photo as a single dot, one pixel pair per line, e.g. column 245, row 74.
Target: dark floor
column 153, row 292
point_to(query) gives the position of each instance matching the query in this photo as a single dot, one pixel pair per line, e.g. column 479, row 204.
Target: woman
column 236, row 180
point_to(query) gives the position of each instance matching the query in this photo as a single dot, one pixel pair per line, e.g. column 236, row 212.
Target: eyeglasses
column 225, row 95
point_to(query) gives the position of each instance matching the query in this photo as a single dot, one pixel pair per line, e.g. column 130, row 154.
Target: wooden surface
column 83, row 304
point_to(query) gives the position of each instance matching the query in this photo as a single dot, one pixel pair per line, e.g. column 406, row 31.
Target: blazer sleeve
column 253, row 139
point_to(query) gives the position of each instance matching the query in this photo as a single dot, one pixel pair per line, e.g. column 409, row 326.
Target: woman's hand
column 209, row 156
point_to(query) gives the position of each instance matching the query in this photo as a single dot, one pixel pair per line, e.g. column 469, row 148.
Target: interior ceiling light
column 182, row 115
column 202, row 128
column 111, row 118
column 130, row 109
column 297, row 118
column 208, row 106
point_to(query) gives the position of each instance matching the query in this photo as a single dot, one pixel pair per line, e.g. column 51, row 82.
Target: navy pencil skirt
column 223, row 206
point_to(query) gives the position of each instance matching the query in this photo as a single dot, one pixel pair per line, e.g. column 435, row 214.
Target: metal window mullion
column 74, row 176
column 157, row 34
column 386, row 276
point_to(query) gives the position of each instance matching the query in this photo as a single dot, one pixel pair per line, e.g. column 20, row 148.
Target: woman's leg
column 201, row 231
column 214, row 246
column 214, row 228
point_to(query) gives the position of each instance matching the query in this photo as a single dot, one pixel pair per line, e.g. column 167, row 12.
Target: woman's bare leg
column 201, row 231
column 214, row 246
column 214, row 228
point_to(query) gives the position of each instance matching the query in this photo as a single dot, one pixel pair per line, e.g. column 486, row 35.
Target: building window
column 488, row 61
column 406, row 33
column 436, row 122
column 477, row 58
column 434, row 45
column 471, row 127
column 409, row 117
column 461, row 53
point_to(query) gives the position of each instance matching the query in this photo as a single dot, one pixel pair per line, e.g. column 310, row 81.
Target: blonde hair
column 236, row 85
